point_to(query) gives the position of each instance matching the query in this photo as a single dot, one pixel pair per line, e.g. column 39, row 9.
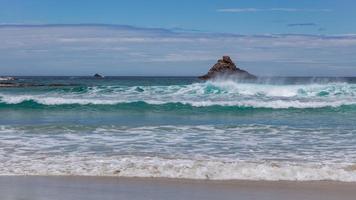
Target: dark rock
column 8, row 84
column 98, row 76
column 225, row 67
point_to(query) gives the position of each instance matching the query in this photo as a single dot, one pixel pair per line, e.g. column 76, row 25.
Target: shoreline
column 178, row 179
column 98, row 187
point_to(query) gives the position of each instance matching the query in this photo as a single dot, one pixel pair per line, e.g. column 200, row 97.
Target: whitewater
column 211, row 93
column 179, row 127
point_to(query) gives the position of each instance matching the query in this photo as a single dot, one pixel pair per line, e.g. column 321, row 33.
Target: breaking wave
column 246, row 152
column 212, row 93
column 221, row 130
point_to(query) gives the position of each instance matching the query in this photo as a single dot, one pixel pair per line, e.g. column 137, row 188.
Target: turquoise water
column 270, row 129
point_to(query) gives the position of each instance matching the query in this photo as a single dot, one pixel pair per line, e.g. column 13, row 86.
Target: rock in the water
column 226, row 68
column 98, row 76
column 6, row 84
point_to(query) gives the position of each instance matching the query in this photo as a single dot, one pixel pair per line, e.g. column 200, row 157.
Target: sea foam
column 211, row 93
column 245, row 152
column 174, row 168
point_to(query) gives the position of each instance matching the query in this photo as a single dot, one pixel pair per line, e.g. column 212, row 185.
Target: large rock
column 226, row 68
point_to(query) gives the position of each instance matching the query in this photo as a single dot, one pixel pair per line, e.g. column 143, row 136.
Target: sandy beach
column 80, row 188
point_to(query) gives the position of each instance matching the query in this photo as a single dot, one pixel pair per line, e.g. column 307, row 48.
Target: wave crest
column 211, row 93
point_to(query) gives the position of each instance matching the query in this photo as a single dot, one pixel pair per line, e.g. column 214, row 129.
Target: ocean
column 273, row 128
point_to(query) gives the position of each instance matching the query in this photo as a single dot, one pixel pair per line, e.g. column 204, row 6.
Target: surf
column 224, row 93
column 243, row 152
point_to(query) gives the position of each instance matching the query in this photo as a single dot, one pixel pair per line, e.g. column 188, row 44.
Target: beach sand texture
column 104, row 188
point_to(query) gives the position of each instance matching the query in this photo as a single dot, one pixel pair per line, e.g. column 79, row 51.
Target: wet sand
column 103, row 188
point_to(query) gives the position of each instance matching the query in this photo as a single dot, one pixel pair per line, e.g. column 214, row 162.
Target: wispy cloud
column 240, row 10
column 124, row 50
column 302, row 24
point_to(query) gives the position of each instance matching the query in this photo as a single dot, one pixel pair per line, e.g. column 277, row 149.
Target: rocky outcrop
column 98, row 76
column 6, row 84
column 226, row 68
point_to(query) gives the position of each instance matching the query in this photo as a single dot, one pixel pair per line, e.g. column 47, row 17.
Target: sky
column 177, row 38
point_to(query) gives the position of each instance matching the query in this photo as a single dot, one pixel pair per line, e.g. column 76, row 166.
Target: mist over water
column 273, row 128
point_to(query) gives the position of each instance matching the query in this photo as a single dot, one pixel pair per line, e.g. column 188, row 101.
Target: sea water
column 181, row 127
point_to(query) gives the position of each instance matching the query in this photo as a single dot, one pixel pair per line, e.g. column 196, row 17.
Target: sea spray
column 211, row 93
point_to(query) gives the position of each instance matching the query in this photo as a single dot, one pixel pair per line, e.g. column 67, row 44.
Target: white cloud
column 124, row 50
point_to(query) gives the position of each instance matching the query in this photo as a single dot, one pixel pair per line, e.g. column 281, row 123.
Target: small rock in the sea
column 7, row 84
column 225, row 67
column 98, row 76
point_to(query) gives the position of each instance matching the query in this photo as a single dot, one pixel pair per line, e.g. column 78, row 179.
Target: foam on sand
column 130, row 166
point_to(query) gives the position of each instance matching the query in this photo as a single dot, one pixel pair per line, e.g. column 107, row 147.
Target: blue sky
column 44, row 37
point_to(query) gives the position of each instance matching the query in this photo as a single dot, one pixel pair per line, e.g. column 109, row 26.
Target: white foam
column 250, row 152
column 125, row 166
column 7, row 78
column 223, row 93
